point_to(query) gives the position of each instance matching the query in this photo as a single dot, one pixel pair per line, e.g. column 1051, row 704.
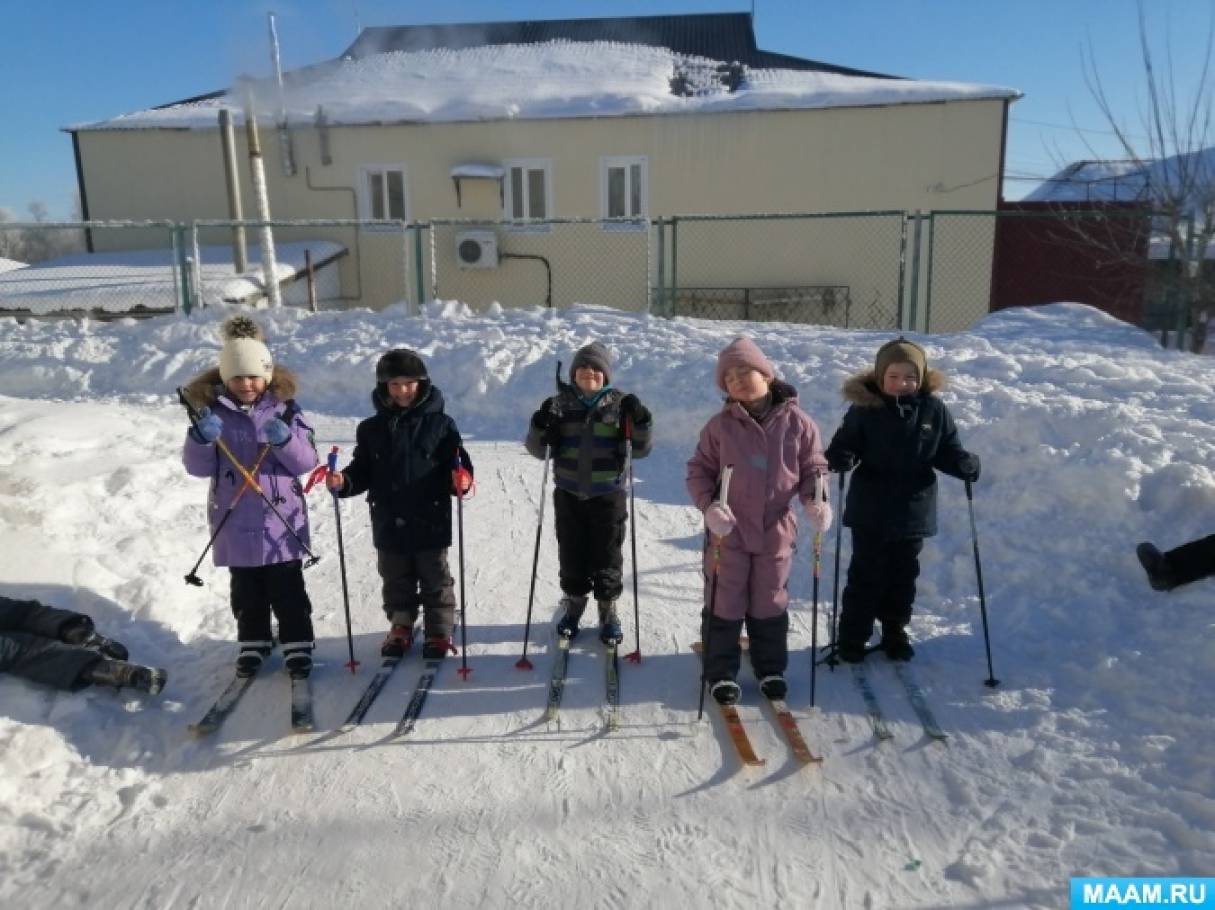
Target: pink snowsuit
column 773, row 461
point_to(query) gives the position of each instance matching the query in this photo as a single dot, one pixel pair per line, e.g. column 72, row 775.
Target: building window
column 383, row 193
column 624, row 186
column 529, row 189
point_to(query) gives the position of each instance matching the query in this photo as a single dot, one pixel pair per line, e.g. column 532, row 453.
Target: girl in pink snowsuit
column 776, row 452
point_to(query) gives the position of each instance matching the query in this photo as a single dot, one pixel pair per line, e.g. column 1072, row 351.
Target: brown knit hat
column 901, row 351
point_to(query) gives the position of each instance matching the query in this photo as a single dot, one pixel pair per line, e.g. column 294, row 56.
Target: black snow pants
column 590, row 538
column 881, row 585
column 31, row 644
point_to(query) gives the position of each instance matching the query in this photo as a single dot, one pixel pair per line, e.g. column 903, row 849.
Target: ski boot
column 896, row 645
column 850, row 653
column 437, row 648
column 609, row 623
column 119, row 673
column 567, row 625
column 774, row 686
column 397, row 641
column 725, row 692
column 298, row 660
column 250, row 659
column 83, row 635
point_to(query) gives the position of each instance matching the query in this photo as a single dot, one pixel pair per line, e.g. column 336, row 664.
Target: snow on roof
column 559, row 79
column 121, row 281
column 1126, row 180
column 8, row 265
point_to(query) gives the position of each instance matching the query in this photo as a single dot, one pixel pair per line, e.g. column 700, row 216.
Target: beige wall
column 906, row 157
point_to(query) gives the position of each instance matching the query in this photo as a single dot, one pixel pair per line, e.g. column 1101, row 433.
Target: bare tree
column 23, row 241
column 1173, row 149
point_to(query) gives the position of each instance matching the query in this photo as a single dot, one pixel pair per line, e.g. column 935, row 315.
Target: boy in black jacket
column 583, row 426
column 405, row 459
column 897, row 434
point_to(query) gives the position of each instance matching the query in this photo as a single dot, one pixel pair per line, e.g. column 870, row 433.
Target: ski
column 223, row 706
column 788, row 724
column 734, row 725
column 301, row 705
column 359, row 711
column 872, row 708
column 613, row 689
column 919, row 702
column 556, row 685
column 409, row 719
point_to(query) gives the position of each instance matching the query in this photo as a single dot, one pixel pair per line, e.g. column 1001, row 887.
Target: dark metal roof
column 719, row 36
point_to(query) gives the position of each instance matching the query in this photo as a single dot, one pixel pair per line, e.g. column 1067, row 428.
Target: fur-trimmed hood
column 205, row 388
column 862, row 388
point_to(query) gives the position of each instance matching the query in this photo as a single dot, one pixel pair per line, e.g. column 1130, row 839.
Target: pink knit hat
column 742, row 352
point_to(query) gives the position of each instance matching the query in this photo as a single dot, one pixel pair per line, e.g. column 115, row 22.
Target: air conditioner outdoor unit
column 477, row 250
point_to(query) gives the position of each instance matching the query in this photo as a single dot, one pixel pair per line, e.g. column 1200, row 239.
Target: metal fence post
column 1183, row 312
column 660, row 290
column 932, row 232
column 915, row 273
column 898, row 316
column 674, row 296
column 417, row 255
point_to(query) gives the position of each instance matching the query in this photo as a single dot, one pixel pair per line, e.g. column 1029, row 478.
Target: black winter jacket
column 900, row 445
column 403, row 459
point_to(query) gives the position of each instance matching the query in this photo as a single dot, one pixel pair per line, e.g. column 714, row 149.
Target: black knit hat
column 400, row 362
column 595, row 356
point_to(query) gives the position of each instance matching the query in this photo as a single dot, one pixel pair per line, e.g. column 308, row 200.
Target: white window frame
column 508, row 200
column 608, row 162
column 364, row 185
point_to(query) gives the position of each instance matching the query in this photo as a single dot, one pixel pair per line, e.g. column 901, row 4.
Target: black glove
column 840, row 461
column 632, row 408
column 968, row 466
column 545, row 417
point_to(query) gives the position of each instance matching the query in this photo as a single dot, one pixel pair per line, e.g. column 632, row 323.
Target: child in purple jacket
column 248, row 401
column 776, row 453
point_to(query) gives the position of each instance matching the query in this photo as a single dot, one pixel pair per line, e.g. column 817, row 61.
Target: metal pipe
column 265, row 234
column 227, row 140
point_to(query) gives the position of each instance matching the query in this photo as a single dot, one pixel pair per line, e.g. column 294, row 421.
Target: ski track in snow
column 1093, row 757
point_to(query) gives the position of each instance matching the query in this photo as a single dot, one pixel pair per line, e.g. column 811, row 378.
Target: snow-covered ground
column 118, row 281
column 1094, row 756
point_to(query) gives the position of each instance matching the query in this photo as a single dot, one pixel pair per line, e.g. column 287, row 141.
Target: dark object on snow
column 1181, row 565
column 60, row 648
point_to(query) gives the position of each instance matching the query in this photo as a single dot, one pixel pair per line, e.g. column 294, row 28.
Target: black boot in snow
column 1160, row 576
column 567, row 625
column 896, row 645
column 83, row 635
column 250, row 659
column 298, row 662
column 120, row 674
column 774, row 686
column 610, row 632
column 850, row 653
column 725, row 692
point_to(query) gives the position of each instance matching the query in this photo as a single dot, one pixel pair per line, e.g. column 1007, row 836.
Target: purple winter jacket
column 253, row 535
column 773, row 462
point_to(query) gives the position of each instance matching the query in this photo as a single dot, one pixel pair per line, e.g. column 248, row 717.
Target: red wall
column 1101, row 261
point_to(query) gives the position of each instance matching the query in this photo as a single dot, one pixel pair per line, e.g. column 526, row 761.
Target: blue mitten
column 209, row 426
column 277, row 432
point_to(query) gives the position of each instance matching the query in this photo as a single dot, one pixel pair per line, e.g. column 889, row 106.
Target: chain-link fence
column 1032, row 254
column 843, row 269
column 133, row 269
column 552, row 263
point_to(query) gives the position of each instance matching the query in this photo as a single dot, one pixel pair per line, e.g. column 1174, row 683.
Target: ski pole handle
column 331, row 461
column 724, row 495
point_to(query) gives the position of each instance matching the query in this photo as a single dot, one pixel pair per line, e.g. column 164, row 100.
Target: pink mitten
column 719, row 519
column 820, row 515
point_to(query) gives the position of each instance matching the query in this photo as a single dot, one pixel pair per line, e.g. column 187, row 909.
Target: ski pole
column 635, row 656
column 457, row 473
column 820, row 488
column 523, row 663
column 835, row 582
column 192, row 412
column 192, row 576
column 724, row 487
column 337, row 517
column 991, row 680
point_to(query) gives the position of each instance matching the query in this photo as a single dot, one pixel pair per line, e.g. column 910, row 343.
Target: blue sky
column 64, row 61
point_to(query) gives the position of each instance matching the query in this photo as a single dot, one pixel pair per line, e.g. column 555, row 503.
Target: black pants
column 881, row 585
column 31, row 644
column 768, row 644
column 1192, row 561
column 590, row 534
column 279, row 588
column 418, row 579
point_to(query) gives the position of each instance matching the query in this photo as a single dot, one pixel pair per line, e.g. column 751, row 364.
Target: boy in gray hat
column 583, row 427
